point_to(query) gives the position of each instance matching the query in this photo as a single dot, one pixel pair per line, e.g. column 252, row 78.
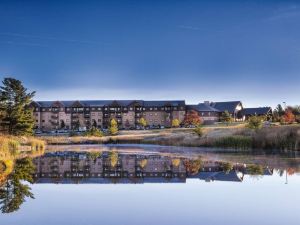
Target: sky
column 192, row 50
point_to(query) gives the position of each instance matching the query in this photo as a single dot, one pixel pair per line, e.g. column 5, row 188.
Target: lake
column 140, row 184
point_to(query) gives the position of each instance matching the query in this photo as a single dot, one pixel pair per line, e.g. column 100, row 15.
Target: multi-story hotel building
column 51, row 115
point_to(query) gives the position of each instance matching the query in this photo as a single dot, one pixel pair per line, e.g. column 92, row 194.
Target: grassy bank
column 238, row 138
column 12, row 148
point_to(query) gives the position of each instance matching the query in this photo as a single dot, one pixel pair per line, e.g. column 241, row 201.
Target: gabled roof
column 202, row 107
column 226, row 106
column 233, row 176
column 257, row 111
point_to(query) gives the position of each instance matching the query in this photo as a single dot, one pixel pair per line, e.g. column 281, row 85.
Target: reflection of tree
column 14, row 192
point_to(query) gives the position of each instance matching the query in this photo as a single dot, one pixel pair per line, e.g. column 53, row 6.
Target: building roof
column 257, row 111
column 202, row 107
column 226, row 106
column 100, row 103
column 233, row 176
column 164, row 103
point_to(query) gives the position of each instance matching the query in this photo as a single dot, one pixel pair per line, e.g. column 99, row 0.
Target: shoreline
column 231, row 139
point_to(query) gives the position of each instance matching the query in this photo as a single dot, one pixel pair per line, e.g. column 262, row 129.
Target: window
column 43, row 121
column 93, row 108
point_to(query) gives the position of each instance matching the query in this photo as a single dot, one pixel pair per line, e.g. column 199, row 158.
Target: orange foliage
column 192, row 118
column 289, row 117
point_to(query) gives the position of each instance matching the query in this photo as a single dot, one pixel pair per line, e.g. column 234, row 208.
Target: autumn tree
column 113, row 128
column 192, row 118
column 113, row 157
column 16, row 113
column 289, row 117
column 142, row 122
column 175, row 123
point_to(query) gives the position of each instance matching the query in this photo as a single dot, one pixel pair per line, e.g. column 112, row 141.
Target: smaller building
column 206, row 112
column 260, row 111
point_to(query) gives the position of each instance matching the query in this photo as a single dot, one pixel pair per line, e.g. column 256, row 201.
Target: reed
column 235, row 142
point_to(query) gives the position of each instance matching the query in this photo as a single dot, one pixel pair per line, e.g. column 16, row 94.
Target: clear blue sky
column 193, row 50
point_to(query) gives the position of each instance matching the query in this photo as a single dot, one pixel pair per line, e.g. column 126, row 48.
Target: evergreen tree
column 226, row 117
column 16, row 114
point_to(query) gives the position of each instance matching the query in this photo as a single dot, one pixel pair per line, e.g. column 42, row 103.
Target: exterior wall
column 128, row 119
column 178, row 115
column 97, row 116
column 154, row 118
column 209, row 117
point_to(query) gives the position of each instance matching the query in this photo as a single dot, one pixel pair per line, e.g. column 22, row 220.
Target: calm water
column 152, row 185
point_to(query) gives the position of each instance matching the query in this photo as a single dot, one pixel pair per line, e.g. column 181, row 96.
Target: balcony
column 55, row 116
column 87, row 116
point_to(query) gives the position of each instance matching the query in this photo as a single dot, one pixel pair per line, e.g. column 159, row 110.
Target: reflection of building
column 68, row 167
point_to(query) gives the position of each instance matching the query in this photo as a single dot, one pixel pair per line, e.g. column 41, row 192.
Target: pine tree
column 16, row 113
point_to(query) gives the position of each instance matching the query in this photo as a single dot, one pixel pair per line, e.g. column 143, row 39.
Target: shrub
column 255, row 123
column 176, row 162
column 95, row 132
column 37, row 145
column 226, row 166
column 199, row 131
column 94, row 155
column 253, row 169
column 297, row 118
column 143, row 163
column 175, row 123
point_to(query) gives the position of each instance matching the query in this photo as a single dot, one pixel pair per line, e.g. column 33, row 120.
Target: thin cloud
column 29, row 36
column 189, row 27
column 23, row 43
column 285, row 13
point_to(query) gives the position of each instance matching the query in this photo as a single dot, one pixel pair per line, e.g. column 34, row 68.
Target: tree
column 175, row 123
column 94, row 124
column 142, row 122
column 14, row 191
column 16, row 113
column 255, row 123
column 279, row 110
column 226, row 117
column 113, row 129
column 192, row 118
column 113, row 157
column 62, row 124
column 76, row 125
column 289, row 117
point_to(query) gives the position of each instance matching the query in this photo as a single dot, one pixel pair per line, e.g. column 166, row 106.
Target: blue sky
column 193, row 50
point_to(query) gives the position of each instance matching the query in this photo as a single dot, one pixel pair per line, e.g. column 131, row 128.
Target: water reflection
column 124, row 167
column 14, row 191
